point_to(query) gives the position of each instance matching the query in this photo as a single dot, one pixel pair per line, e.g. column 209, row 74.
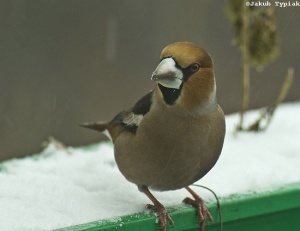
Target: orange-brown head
column 185, row 77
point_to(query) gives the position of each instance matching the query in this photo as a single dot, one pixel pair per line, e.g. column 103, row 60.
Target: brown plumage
column 173, row 135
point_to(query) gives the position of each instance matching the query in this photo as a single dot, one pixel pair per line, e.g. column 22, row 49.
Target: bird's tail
column 111, row 130
column 100, row 126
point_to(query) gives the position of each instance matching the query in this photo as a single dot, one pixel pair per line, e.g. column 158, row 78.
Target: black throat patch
column 170, row 94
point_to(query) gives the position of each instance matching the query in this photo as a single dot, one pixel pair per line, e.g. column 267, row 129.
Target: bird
column 174, row 134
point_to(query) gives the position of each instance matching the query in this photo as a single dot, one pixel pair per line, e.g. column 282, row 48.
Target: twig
column 58, row 144
column 268, row 112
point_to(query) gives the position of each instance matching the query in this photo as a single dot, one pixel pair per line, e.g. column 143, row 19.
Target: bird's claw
column 202, row 211
column 162, row 214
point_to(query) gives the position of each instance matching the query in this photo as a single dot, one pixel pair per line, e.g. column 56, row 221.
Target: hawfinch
column 174, row 134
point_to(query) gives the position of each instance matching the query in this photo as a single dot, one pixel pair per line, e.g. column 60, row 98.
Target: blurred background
column 67, row 62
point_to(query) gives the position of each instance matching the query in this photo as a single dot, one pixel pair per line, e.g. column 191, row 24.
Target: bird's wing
column 126, row 120
column 142, row 106
column 131, row 118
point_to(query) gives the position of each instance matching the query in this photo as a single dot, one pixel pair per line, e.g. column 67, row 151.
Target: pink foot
column 202, row 211
column 162, row 214
column 157, row 207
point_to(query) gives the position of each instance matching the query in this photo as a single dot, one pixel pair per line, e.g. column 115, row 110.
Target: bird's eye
column 195, row 67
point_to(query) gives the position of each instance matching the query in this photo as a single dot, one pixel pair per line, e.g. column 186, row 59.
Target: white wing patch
column 132, row 119
column 106, row 132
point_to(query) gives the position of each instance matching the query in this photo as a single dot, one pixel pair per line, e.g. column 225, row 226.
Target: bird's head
column 185, row 76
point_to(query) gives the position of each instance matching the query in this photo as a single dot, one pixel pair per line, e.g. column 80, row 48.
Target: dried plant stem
column 58, row 144
column 268, row 113
column 289, row 78
column 245, row 66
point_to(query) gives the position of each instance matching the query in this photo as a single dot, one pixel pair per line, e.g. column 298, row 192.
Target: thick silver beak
column 167, row 74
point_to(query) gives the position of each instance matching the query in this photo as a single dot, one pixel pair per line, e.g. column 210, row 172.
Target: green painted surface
column 269, row 211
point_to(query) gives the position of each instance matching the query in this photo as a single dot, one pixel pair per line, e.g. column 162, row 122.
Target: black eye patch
column 191, row 69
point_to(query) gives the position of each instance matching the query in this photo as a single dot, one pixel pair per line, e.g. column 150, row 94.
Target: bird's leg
column 157, row 207
column 202, row 211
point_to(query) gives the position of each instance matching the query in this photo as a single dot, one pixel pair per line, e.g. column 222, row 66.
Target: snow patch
column 57, row 189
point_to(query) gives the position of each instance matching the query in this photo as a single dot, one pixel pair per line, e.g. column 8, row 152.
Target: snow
column 59, row 188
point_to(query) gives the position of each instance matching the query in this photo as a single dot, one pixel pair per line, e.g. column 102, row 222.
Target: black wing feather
column 141, row 107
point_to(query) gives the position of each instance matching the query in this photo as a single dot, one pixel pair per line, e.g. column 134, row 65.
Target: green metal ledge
column 277, row 210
